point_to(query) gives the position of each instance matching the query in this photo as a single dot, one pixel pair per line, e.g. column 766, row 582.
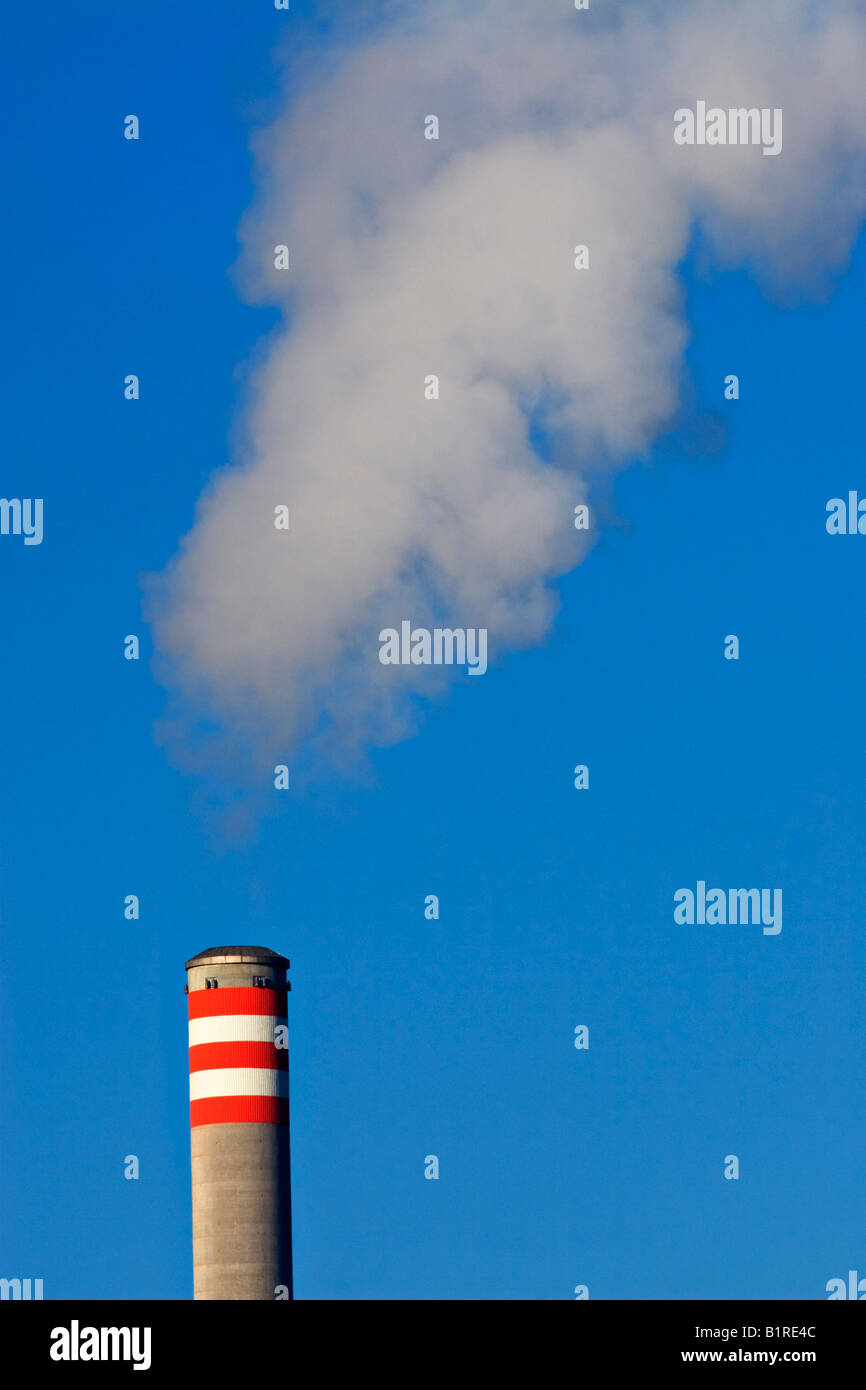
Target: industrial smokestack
column 239, row 1121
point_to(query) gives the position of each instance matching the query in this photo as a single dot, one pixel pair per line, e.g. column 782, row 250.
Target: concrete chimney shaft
column 239, row 1119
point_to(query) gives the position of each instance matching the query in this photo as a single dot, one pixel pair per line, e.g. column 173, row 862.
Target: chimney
column 239, row 1122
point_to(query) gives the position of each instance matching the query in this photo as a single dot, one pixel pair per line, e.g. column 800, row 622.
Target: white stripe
column 233, row 1028
column 238, row 1081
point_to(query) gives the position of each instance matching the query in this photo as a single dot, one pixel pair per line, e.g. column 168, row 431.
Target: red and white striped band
column 237, row 1073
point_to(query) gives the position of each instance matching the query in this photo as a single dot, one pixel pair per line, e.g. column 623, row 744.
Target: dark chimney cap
column 239, row 955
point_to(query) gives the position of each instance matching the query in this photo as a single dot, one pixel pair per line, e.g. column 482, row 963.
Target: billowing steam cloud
column 455, row 257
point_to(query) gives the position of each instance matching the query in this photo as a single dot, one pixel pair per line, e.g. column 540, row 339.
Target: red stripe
column 238, row 1054
column 229, row 1110
column 237, row 999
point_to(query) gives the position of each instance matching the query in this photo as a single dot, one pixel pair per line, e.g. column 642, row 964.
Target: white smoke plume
column 410, row 257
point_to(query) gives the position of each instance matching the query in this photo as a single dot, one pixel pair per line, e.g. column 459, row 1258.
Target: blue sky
column 410, row 1037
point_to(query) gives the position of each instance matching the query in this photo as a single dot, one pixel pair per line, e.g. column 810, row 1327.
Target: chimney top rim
column 239, row 955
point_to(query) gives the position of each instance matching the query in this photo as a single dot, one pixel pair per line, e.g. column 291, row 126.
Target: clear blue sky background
column 409, row 1037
